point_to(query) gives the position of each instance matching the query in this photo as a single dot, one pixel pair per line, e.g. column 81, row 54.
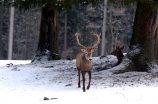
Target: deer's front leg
column 83, row 78
column 89, row 73
column 79, row 78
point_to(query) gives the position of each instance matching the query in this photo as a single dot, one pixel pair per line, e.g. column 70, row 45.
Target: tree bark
column 155, row 33
column 111, row 28
column 26, row 42
column 1, row 16
column 65, row 38
column 49, row 34
column 141, row 47
column 11, row 26
column 104, row 29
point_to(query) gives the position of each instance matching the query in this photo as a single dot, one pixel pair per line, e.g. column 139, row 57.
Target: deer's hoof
column 88, row 87
column 84, row 90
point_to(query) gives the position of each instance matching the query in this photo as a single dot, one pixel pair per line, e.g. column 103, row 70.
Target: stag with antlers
column 84, row 61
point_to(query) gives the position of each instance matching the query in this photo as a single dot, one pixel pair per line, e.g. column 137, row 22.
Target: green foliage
column 59, row 5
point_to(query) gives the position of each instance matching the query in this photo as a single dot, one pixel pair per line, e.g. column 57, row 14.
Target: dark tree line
column 88, row 20
column 143, row 44
column 85, row 20
column 26, row 33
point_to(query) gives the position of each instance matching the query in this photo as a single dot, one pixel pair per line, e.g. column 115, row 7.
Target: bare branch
column 119, row 43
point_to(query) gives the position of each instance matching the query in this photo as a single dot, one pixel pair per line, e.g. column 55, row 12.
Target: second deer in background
column 118, row 52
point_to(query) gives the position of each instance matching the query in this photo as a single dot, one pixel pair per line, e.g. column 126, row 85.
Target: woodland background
column 85, row 20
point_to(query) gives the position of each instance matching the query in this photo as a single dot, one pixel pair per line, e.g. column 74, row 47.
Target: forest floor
column 56, row 82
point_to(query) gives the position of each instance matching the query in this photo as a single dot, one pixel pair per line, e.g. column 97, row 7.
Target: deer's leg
column 89, row 73
column 79, row 78
column 83, row 78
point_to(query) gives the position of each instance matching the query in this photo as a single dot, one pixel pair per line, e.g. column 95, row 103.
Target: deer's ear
column 83, row 50
column 95, row 49
column 122, row 47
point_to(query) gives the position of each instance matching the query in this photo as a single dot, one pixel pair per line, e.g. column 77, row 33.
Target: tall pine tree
column 144, row 44
column 143, row 41
column 49, row 27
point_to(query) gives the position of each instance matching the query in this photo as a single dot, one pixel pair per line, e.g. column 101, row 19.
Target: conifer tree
column 144, row 44
column 49, row 27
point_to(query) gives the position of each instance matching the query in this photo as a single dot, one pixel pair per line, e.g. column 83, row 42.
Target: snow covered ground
column 31, row 83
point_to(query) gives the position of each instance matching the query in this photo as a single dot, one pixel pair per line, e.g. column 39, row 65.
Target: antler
column 119, row 43
column 78, row 41
column 98, row 36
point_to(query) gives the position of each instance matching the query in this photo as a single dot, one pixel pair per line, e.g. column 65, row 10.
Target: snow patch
column 32, row 83
column 134, row 51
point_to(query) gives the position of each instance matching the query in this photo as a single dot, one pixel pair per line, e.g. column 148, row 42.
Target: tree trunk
column 26, row 42
column 111, row 28
column 65, row 38
column 49, row 34
column 1, row 16
column 10, row 41
column 141, row 47
column 104, row 29
column 155, row 33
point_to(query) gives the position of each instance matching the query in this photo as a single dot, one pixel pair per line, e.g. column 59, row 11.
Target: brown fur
column 118, row 53
column 84, row 65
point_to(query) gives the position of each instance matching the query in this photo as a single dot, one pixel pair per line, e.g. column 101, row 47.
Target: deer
column 118, row 52
column 84, row 61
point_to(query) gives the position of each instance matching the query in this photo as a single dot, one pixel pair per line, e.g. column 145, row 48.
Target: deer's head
column 88, row 51
column 118, row 51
